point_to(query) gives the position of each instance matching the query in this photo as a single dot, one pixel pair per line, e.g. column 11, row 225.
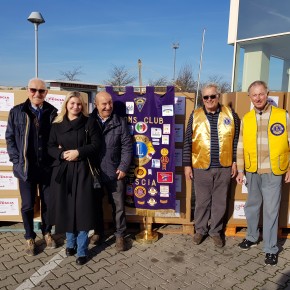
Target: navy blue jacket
column 17, row 136
column 116, row 148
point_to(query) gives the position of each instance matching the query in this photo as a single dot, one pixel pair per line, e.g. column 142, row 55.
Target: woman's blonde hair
column 63, row 111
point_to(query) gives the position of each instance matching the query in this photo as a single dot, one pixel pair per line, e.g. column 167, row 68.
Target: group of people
column 55, row 154
column 218, row 147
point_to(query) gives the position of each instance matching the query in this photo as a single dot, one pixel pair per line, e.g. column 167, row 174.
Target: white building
column 259, row 30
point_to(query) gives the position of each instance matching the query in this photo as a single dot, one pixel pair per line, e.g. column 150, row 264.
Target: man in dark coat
column 115, row 158
column 27, row 134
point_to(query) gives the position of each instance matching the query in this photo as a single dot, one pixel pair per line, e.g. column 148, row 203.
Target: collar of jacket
column 45, row 106
column 217, row 110
column 113, row 121
column 67, row 125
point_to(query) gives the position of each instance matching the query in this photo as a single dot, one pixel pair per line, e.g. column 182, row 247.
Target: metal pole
column 36, row 49
column 234, row 67
column 174, row 60
column 200, row 67
column 174, row 46
column 140, row 73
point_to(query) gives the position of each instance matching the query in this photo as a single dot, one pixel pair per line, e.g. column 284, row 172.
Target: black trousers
column 116, row 196
column 38, row 178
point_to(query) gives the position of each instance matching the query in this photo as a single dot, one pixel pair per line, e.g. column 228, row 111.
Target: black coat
column 116, row 149
column 72, row 205
column 17, row 136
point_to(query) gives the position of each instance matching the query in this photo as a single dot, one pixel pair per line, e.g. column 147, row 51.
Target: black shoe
column 81, row 260
column 70, row 252
column 246, row 244
column 271, row 259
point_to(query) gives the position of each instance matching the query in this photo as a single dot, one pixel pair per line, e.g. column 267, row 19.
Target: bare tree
column 71, row 75
column 120, row 76
column 225, row 86
column 162, row 81
column 185, row 80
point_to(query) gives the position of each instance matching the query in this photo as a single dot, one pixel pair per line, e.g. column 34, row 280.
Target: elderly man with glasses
column 209, row 156
column 27, row 134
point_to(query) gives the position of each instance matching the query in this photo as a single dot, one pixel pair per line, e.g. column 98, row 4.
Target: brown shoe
column 218, row 242
column 96, row 239
column 120, row 244
column 197, row 239
column 30, row 247
column 50, row 243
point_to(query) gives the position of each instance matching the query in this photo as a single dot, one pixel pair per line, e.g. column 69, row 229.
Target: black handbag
column 96, row 174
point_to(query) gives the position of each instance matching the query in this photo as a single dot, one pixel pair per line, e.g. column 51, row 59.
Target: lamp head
column 36, row 18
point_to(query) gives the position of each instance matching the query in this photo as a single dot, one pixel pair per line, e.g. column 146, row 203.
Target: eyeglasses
column 33, row 91
column 212, row 97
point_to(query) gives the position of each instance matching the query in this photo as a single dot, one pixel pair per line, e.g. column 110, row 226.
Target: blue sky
column 96, row 35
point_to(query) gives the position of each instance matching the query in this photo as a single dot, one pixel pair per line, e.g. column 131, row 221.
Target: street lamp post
column 174, row 46
column 36, row 18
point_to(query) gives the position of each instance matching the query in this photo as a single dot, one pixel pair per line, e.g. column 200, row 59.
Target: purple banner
column 151, row 179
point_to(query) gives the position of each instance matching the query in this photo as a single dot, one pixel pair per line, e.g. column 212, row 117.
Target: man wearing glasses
column 263, row 152
column 27, row 134
column 209, row 156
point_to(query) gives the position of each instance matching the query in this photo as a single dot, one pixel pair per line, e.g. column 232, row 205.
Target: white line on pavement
column 41, row 273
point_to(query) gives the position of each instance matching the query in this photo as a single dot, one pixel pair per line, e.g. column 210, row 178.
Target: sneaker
column 197, row 239
column 246, row 244
column 30, row 247
column 218, row 242
column 96, row 239
column 271, row 259
column 50, row 243
column 120, row 244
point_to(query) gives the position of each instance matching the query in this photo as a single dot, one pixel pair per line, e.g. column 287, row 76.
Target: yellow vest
column 277, row 138
column 201, row 138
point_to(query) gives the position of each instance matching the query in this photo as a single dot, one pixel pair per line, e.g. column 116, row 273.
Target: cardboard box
column 287, row 101
column 285, row 192
column 228, row 99
column 284, row 215
column 10, row 208
column 8, row 183
column 238, row 191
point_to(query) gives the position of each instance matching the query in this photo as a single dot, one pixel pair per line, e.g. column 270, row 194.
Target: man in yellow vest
column 209, row 155
column 263, row 153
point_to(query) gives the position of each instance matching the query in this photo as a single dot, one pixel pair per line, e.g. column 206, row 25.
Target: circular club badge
column 143, row 150
column 141, row 127
column 277, row 129
column 140, row 172
column 140, row 191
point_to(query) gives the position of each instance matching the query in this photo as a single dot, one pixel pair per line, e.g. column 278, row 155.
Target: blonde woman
column 74, row 138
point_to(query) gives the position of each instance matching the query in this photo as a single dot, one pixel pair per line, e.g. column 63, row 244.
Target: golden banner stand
column 147, row 236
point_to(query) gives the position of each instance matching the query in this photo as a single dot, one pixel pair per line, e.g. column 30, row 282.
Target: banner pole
column 147, row 236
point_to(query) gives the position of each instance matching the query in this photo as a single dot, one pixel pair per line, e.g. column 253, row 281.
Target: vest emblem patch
column 277, row 129
column 227, row 121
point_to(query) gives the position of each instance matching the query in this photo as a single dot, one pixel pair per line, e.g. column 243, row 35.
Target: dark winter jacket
column 72, row 205
column 116, row 149
column 17, row 136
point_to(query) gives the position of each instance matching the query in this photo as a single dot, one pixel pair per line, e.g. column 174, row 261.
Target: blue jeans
column 266, row 189
column 79, row 241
